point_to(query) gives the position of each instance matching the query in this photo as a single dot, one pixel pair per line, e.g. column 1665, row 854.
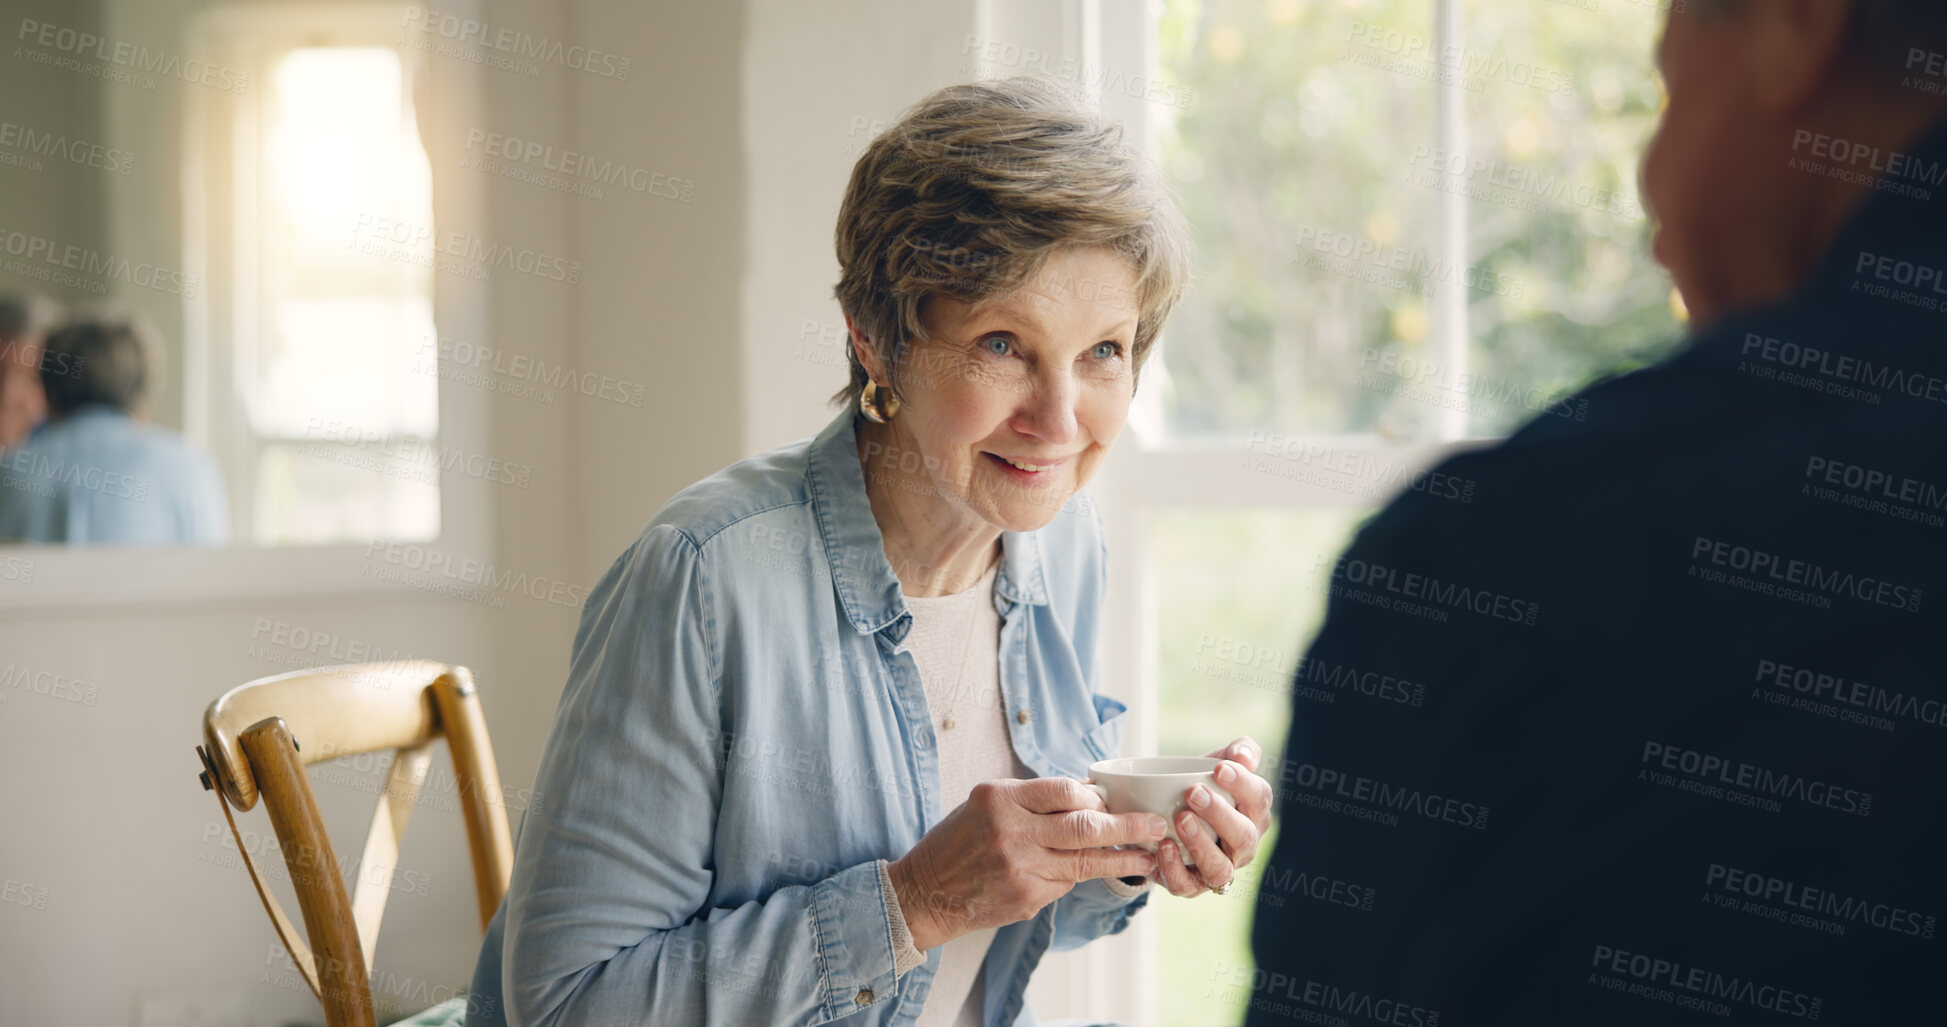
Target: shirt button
column 864, row 996
column 1022, row 716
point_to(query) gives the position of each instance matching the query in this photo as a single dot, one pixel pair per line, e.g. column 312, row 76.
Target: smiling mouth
column 1027, row 467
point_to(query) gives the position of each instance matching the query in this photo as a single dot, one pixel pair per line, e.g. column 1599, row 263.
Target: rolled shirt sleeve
column 606, row 917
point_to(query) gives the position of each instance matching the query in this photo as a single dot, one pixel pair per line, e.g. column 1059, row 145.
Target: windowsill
column 49, row 582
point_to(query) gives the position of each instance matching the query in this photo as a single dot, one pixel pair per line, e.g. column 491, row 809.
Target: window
column 321, row 369
column 1418, row 227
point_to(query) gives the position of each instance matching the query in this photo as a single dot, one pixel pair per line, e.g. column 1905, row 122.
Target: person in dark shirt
column 1683, row 665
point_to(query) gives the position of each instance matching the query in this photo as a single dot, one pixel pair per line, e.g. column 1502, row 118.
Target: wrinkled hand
column 1221, row 840
column 1010, row 849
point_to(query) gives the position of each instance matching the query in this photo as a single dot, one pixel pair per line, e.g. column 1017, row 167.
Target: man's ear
column 862, row 345
column 1796, row 50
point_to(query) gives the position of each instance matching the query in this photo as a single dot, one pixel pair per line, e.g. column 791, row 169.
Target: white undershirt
column 956, row 641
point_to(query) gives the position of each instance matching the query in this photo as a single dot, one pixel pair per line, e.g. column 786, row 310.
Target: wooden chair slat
column 380, row 857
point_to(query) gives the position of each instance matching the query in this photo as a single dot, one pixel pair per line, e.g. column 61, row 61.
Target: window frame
column 1149, row 473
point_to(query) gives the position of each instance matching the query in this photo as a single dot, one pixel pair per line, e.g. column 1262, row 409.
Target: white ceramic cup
column 1156, row 784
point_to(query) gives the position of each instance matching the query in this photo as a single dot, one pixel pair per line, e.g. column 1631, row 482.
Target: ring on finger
column 1222, row 889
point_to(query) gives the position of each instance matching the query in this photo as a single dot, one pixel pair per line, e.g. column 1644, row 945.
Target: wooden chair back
column 259, row 737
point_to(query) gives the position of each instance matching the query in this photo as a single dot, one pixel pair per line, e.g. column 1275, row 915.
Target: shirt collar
column 856, row 551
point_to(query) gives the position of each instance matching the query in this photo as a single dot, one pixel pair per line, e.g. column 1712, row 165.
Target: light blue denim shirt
column 743, row 736
column 100, row 477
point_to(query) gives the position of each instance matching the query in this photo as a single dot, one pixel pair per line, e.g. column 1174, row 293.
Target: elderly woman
column 817, row 757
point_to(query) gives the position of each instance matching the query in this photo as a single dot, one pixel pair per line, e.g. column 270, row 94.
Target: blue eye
column 1107, row 350
column 997, row 345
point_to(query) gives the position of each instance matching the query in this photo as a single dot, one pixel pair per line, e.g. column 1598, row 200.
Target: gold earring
column 875, row 409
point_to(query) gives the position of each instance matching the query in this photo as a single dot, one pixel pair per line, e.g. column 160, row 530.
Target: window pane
column 310, row 493
column 1239, row 603
column 1289, row 162
column 330, row 382
column 1562, row 101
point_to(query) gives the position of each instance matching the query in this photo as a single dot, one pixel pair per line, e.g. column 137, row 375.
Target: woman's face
column 1014, row 401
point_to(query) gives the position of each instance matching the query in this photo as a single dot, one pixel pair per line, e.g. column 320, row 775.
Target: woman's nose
column 1047, row 411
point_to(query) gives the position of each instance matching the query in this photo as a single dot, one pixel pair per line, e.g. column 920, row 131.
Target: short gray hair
column 113, row 356
column 974, row 188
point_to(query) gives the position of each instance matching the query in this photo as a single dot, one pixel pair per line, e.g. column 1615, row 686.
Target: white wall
column 104, row 819
column 816, row 89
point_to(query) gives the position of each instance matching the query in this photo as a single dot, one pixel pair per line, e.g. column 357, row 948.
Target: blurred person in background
column 1686, row 714
column 95, row 472
column 24, row 320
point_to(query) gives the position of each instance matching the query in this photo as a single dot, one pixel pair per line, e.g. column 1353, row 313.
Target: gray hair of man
column 114, row 356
